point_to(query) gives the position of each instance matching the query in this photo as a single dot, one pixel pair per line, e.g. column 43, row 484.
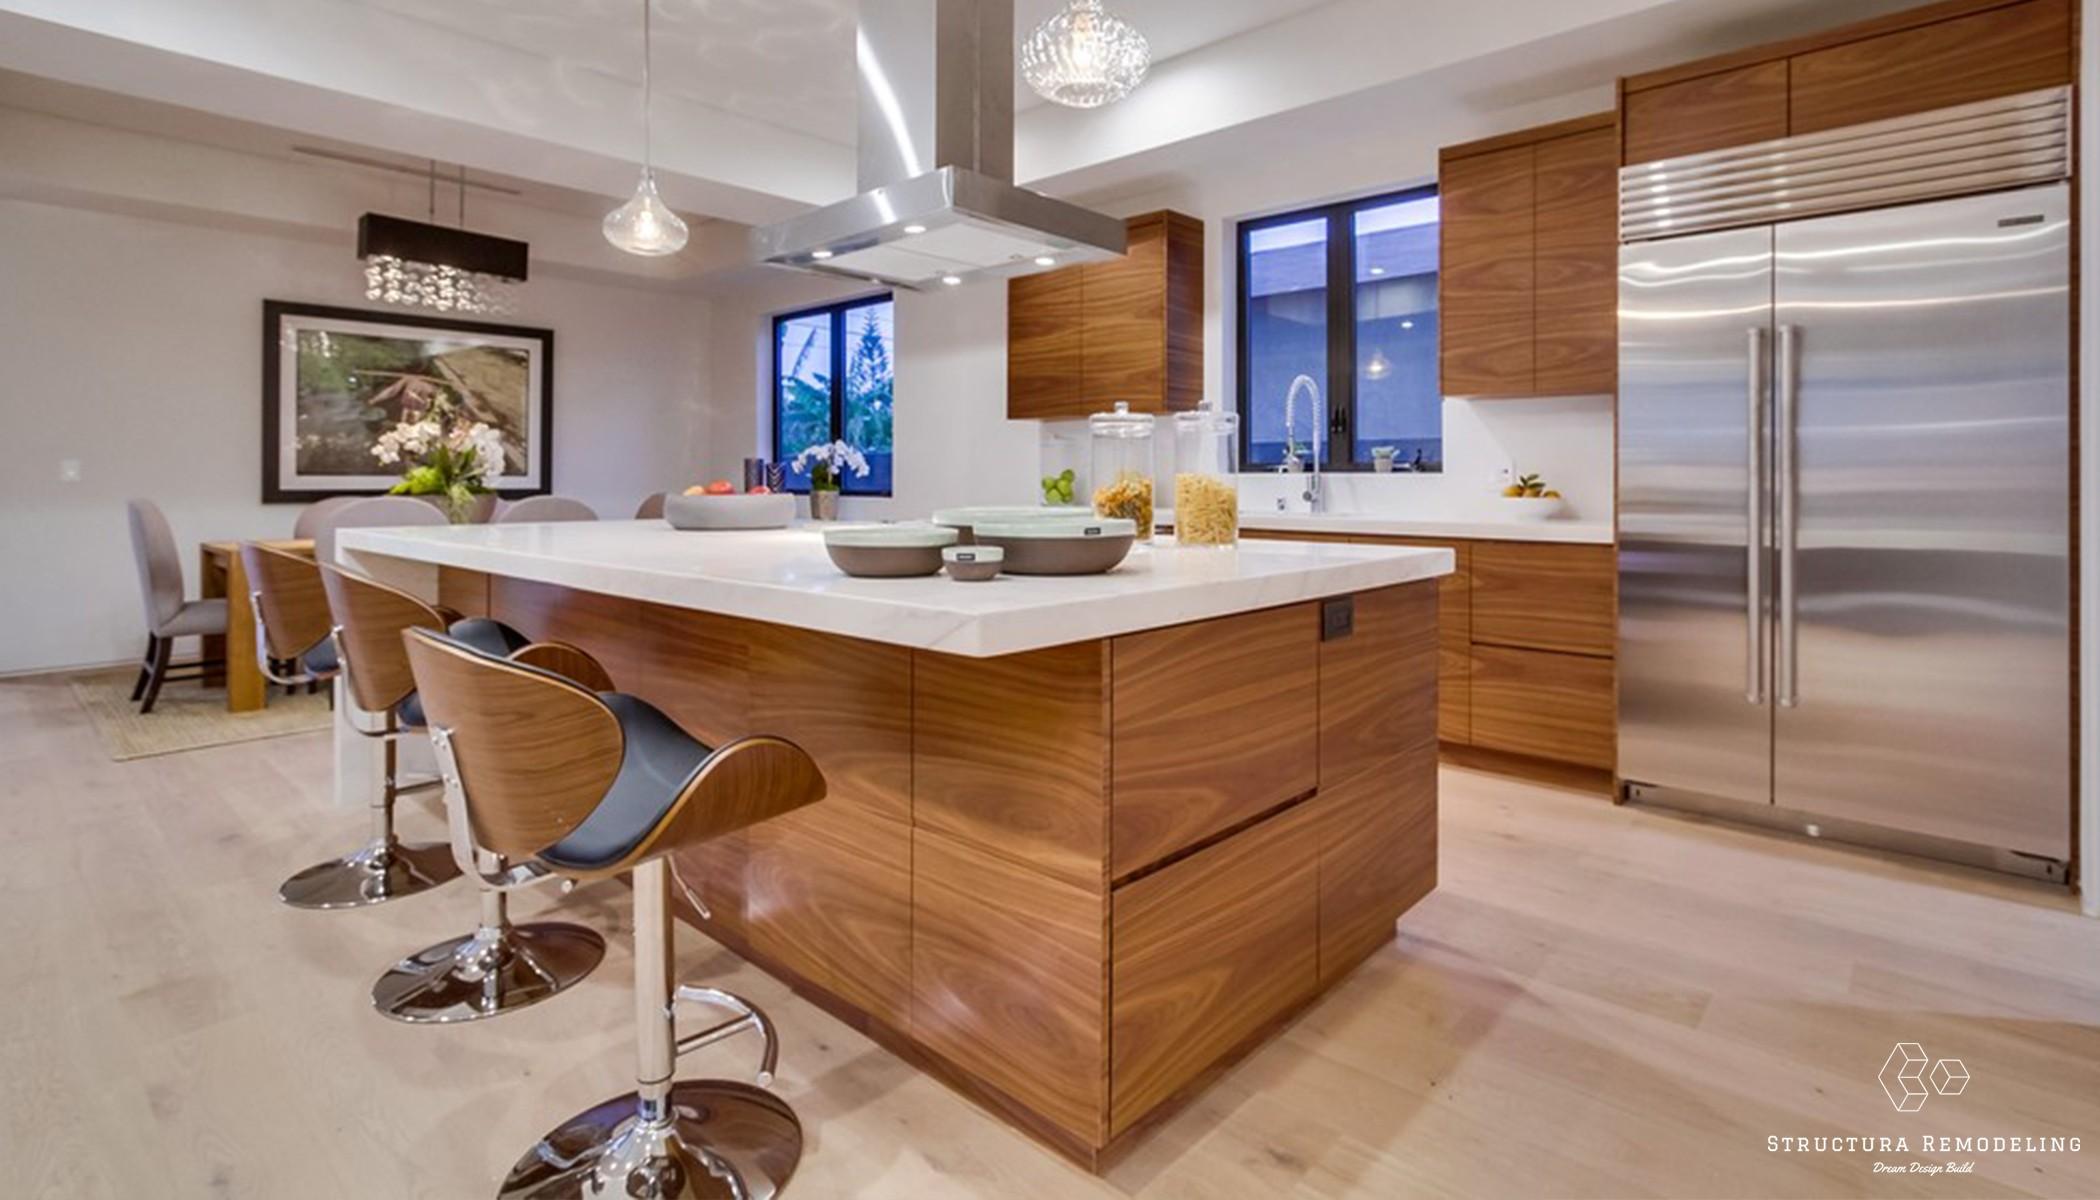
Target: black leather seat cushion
column 479, row 633
column 659, row 761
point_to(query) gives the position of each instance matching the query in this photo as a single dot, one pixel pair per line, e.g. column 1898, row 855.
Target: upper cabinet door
column 1998, row 52
column 1042, row 345
column 1576, row 263
column 1486, row 275
column 1706, row 112
column 1123, row 309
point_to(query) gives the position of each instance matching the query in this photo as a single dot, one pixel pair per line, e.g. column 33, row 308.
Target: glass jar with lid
column 1123, row 466
column 1206, row 493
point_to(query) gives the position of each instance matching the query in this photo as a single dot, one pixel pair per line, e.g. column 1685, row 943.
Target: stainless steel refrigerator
column 1845, row 507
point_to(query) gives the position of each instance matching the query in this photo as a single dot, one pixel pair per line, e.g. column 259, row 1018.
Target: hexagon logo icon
column 1949, row 1077
column 1903, row 1077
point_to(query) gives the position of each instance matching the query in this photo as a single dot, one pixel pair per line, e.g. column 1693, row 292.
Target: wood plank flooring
column 1595, row 1002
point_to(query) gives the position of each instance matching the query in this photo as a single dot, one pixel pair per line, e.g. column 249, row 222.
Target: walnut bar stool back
column 591, row 785
column 292, row 642
column 498, row 967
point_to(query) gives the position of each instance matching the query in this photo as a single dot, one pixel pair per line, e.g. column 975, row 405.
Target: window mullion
column 1341, row 338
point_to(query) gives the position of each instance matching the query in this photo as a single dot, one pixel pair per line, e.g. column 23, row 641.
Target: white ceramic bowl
column 887, row 551
column 1081, row 545
column 1534, row 508
column 767, row 510
column 965, row 520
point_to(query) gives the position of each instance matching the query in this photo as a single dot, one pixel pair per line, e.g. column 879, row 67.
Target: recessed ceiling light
column 1377, row 270
column 820, row 254
column 951, row 280
column 914, row 229
column 1044, row 260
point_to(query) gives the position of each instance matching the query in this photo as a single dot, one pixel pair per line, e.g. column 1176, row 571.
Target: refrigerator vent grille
column 2012, row 141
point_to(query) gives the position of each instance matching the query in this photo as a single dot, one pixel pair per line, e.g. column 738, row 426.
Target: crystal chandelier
column 645, row 225
column 1085, row 57
column 427, row 265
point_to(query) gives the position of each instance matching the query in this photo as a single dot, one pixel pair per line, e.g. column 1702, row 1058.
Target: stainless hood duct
column 936, row 162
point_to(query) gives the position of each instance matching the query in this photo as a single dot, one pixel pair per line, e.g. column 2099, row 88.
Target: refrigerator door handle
column 1754, row 540
column 1785, row 485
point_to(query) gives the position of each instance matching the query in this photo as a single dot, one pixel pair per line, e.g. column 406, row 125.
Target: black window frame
column 1338, row 390
column 837, row 311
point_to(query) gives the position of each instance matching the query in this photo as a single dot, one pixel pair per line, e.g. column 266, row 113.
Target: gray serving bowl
column 734, row 511
column 964, row 521
column 887, row 551
column 1081, row 545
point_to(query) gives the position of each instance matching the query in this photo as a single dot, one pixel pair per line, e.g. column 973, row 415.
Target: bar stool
column 499, row 967
column 591, row 785
column 292, row 624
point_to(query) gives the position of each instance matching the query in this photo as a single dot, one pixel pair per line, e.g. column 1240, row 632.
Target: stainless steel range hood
column 937, row 200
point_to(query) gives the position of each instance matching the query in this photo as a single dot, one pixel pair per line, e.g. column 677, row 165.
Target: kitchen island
column 1087, row 840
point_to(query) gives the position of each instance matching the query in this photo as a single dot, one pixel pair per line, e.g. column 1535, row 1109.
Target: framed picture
column 334, row 379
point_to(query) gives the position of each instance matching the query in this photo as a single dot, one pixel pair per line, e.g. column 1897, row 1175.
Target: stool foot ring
column 486, row 974
column 370, row 876
column 721, row 1139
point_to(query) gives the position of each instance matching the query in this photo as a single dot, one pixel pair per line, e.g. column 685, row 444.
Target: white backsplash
column 1565, row 439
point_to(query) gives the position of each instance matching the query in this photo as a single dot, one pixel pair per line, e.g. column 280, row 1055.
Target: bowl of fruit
column 1529, row 499
column 719, row 505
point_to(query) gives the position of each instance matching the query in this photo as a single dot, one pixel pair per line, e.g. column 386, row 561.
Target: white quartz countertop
column 1372, row 524
column 784, row 576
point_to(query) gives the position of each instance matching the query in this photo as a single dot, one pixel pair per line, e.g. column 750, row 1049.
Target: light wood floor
column 1596, row 1002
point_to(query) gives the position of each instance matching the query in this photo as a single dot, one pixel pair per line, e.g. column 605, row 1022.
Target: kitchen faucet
column 1313, row 496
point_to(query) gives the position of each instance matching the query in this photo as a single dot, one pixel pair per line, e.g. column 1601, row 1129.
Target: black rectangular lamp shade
column 441, row 245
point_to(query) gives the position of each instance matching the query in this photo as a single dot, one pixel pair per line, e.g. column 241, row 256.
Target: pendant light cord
column 647, row 148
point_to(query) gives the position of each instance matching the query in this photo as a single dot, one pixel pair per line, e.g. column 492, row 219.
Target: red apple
column 721, row 487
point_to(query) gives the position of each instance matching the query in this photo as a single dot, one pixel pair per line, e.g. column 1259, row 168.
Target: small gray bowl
column 973, row 564
column 887, row 551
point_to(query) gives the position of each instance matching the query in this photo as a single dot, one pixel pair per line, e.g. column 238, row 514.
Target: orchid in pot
column 445, row 457
column 827, row 464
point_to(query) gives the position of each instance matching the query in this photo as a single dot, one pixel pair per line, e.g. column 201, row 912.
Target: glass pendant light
column 645, row 225
column 1085, row 57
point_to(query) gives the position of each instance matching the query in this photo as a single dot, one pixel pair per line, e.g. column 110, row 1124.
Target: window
column 1346, row 295
column 833, row 379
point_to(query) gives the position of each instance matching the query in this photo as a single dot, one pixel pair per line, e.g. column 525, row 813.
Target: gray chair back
column 544, row 508
column 159, row 562
column 652, row 508
column 367, row 512
column 313, row 516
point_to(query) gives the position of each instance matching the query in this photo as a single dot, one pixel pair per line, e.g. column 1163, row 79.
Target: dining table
column 220, row 573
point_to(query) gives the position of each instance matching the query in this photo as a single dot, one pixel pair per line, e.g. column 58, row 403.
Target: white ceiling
column 784, row 62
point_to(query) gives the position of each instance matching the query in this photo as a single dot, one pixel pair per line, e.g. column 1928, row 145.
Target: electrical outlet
column 69, row 470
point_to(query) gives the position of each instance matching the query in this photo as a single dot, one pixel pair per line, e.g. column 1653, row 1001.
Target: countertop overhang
column 785, row 577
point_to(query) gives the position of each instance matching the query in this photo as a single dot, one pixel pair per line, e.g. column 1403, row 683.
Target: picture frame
column 334, row 378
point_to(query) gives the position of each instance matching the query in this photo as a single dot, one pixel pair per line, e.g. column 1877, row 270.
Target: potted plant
column 827, row 464
column 446, row 459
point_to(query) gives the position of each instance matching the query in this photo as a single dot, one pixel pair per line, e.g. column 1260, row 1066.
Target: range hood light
column 820, row 254
column 951, row 280
column 914, row 230
column 1044, row 260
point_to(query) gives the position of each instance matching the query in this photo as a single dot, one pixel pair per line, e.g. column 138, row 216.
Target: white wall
column 134, row 345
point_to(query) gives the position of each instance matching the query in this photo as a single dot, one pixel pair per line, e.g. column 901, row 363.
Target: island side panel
column 1216, row 722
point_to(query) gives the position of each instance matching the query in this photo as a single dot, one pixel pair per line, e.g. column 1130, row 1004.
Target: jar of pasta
column 1122, row 466
column 1206, row 494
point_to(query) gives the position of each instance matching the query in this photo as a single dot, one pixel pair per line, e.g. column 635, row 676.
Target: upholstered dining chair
column 544, row 508
column 168, row 614
column 544, row 775
column 366, row 512
column 314, row 516
column 499, row 966
column 292, row 642
column 652, row 507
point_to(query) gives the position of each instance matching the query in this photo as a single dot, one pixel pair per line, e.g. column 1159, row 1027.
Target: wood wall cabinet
column 1528, row 279
column 1082, row 338
column 1935, row 56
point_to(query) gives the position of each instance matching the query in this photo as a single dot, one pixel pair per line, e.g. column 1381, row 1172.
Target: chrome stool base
column 370, row 876
column 487, row 973
column 720, row 1139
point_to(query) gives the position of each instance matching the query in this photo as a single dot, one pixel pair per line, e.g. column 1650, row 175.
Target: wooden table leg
column 211, row 583
column 246, row 689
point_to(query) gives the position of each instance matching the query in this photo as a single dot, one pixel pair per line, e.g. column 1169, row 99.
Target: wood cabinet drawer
column 1545, row 596
column 1250, row 684
column 1545, row 704
column 1454, row 634
column 1998, row 52
column 1377, row 858
column 1707, row 112
column 1206, row 953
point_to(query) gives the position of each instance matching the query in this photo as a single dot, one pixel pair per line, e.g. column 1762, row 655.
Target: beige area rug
column 186, row 717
